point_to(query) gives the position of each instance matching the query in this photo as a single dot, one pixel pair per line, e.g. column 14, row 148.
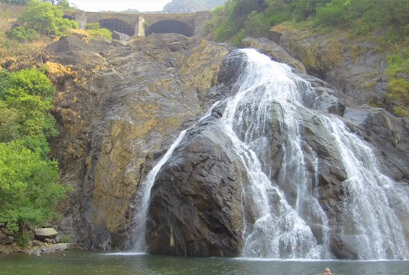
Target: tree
column 29, row 180
column 45, row 18
column 26, row 102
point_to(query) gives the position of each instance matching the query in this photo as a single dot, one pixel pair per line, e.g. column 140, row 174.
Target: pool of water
column 84, row 262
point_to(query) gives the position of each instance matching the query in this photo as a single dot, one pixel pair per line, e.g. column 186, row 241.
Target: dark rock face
column 196, row 205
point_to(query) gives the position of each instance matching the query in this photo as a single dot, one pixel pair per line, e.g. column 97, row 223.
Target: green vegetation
column 16, row 2
column 241, row 18
column 24, row 2
column 177, row 6
column 34, row 29
column 45, row 18
column 29, row 179
column 22, row 34
column 95, row 31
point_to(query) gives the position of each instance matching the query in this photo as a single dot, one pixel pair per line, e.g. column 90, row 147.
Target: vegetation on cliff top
column 177, row 6
column 36, row 27
column 241, row 18
column 29, row 179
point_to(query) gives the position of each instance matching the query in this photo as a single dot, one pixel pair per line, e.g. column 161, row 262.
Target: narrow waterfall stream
column 287, row 219
column 143, row 196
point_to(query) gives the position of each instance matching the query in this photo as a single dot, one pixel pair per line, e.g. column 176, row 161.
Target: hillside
column 192, row 5
column 358, row 46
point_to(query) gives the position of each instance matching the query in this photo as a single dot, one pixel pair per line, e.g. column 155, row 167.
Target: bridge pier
column 200, row 19
column 140, row 26
column 81, row 18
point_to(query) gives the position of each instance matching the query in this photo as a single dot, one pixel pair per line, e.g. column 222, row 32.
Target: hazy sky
column 120, row 5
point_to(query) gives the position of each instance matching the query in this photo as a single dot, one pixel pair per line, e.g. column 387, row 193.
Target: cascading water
column 279, row 230
column 287, row 220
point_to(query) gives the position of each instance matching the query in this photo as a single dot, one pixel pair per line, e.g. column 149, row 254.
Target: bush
column 22, row 34
column 22, row 239
column 256, row 25
column 31, row 82
column 335, row 13
column 401, row 112
column 46, row 18
column 92, row 26
column 303, row 9
column 29, row 180
column 100, row 33
column 29, row 189
column 17, row 2
column 95, row 31
column 25, row 105
column 399, row 90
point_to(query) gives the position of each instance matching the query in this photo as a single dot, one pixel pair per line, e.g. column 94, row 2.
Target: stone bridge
column 143, row 24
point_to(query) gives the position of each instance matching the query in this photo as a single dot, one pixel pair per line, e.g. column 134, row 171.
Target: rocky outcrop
column 357, row 68
column 196, row 207
column 38, row 249
column 118, row 109
column 276, row 52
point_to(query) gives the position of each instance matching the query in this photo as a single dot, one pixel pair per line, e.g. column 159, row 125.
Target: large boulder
column 45, row 233
column 196, row 206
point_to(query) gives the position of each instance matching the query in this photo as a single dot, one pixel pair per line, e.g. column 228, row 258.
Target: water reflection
column 83, row 262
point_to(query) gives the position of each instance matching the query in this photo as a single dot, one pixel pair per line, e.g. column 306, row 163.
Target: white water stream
column 283, row 210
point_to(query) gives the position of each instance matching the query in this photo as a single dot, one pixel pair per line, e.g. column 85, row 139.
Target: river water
column 85, row 262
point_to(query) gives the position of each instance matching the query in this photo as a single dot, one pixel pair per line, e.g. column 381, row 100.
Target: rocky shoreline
column 38, row 248
column 41, row 241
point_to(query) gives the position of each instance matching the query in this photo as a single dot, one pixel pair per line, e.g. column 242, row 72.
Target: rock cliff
column 118, row 106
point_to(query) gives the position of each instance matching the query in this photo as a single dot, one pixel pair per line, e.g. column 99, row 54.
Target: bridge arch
column 68, row 17
column 117, row 25
column 170, row 26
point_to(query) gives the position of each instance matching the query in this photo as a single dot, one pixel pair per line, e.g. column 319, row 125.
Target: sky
column 119, row 5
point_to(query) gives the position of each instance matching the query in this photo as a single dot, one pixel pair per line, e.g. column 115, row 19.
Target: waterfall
column 287, row 219
column 144, row 195
column 281, row 228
